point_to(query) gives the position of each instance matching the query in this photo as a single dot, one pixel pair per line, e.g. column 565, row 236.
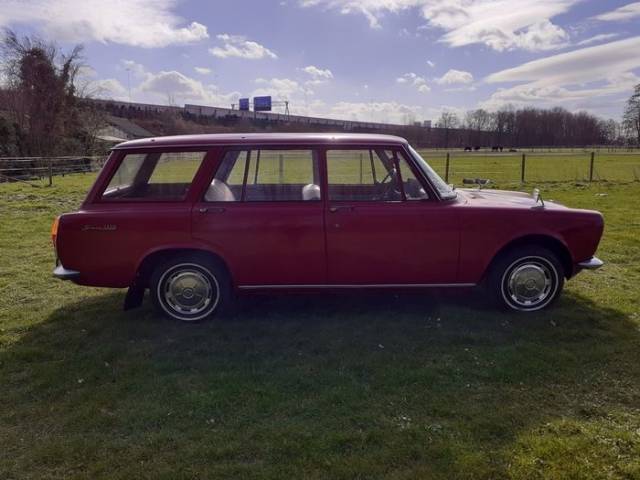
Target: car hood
column 504, row 198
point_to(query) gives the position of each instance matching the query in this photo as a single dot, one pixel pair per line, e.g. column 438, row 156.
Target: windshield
column 444, row 190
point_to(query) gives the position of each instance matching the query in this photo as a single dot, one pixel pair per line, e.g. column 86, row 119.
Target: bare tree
column 631, row 117
column 447, row 122
column 503, row 124
column 476, row 122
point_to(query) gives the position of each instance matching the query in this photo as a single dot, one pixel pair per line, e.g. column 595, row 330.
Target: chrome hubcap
column 188, row 292
column 530, row 284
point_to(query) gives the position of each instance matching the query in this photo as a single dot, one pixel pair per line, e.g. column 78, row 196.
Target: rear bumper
column 64, row 274
column 592, row 264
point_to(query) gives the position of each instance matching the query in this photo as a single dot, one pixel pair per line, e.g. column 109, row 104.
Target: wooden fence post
column 50, row 172
column 446, row 169
column 593, row 158
column 522, row 167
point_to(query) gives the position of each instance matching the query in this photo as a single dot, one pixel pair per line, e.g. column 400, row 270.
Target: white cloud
column 453, row 77
column 173, row 85
column 371, row 9
column 280, row 88
column 136, row 68
column 239, row 46
column 431, row 64
column 553, row 95
column 416, row 80
column 627, row 12
column 141, row 23
column 384, row 112
column 499, row 24
column 202, row 70
column 574, row 78
column 108, row 88
column 592, row 63
column 318, row 73
column 597, row 38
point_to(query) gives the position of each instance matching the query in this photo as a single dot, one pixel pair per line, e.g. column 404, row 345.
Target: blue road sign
column 261, row 104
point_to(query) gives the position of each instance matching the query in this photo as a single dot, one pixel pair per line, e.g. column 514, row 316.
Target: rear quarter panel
column 107, row 243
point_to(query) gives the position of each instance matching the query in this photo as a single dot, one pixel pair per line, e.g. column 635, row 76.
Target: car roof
column 206, row 140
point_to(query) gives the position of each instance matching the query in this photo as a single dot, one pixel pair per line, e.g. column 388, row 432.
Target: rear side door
column 384, row 226
column 262, row 212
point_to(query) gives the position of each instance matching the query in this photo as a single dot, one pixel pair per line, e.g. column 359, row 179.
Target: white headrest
column 311, row 192
column 219, row 191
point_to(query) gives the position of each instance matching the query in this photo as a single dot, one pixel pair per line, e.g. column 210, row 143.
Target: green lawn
column 349, row 386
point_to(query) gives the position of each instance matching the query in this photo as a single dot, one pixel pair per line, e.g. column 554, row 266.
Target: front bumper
column 64, row 274
column 592, row 264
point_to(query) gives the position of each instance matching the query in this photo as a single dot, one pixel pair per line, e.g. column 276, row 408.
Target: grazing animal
column 495, row 148
column 501, row 147
column 467, row 149
column 476, row 148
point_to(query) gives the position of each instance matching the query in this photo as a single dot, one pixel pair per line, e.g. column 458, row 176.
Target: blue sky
column 378, row 60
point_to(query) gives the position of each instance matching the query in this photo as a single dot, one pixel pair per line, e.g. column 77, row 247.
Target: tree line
column 528, row 127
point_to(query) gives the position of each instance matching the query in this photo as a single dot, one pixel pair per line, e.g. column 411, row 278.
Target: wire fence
column 453, row 166
column 525, row 167
column 40, row 171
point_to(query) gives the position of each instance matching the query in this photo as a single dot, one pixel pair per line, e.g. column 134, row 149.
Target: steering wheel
column 389, row 174
column 390, row 192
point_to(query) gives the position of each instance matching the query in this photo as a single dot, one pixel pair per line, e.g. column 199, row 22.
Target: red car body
column 328, row 243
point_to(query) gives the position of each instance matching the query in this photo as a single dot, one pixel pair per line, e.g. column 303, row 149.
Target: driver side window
column 363, row 175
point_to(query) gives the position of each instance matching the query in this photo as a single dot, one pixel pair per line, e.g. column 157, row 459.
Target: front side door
column 383, row 225
column 262, row 212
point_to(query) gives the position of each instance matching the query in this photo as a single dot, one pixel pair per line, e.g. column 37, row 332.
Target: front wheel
column 526, row 279
column 189, row 289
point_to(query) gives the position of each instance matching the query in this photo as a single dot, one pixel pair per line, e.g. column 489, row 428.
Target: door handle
column 211, row 209
column 335, row 209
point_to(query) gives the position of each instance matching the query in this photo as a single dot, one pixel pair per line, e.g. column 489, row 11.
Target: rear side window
column 159, row 176
column 259, row 175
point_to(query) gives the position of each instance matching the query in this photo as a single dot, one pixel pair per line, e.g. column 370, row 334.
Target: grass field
column 318, row 387
column 539, row 166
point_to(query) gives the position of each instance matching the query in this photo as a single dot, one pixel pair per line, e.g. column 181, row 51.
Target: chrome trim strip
column 592, row 264
column 64, row 274
column 368, row 285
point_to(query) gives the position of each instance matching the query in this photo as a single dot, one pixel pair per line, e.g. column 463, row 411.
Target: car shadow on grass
column 300, row 385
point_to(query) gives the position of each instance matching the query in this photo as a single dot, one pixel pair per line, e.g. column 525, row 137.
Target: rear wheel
column 189, row 288
column 526, row 279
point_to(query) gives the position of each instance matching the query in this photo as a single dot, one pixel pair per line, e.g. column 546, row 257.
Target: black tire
column 526, row 279
column 190, row 288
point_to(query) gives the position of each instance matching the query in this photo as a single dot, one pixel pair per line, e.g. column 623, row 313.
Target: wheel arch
column 549, row 242
column 158, row 256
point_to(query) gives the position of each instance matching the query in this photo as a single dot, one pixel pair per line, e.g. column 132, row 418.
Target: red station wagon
column 199, row 218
